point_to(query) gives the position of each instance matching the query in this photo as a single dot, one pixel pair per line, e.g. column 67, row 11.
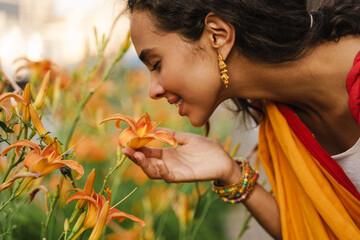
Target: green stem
column 12, row 165
column 25, row 132
column 161, row 225
column 20, row 132
column 53, row 205
column 33, row 131
column 8, row 232
column 202, row 217
column 75, row 214
column 86, row 99
column 245, row 225
column 182, row 232
column 9, row 169
column 77, row 235
column 111, row 171
column 12, row 197
column 62, row 236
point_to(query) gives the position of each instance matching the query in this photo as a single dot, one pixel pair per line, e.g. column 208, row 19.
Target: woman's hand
column 197, row 159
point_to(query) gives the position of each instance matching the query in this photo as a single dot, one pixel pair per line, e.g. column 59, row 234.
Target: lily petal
column 88, row 189
column 164, row 137
column 117, row 214
column 82, row 196
column 39, row 165
column 126, row 136
column 139, row 142
column 56, row 164
column 39, row 126
column 17, row 97
column 91, row 216
column 100, row 223
column 119, row 117
column 90, row 183
column 17, row 176
column 144, row 125
column 31, row 159
column 40, row 98
column 7, row 110
column 48, row 152
column 27, row 98
column 19, row 144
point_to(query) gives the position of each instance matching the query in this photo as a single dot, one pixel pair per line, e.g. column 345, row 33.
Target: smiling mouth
column 178, row 103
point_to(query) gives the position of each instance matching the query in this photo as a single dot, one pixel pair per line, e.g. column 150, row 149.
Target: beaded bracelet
column 238, row 192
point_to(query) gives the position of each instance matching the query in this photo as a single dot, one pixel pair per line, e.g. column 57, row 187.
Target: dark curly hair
column 270, row 31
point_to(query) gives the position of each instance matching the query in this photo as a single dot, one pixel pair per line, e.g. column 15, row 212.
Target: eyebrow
column 144, row 55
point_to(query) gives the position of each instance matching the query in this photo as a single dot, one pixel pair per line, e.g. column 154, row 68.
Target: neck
column 315, row 86
column 315, row 82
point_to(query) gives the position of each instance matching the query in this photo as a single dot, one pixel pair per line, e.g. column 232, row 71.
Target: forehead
column 143, row 31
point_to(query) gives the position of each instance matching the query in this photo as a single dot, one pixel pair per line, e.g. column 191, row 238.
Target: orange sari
column 315, row 197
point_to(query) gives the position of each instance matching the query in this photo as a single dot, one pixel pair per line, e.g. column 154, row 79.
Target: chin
column 197, row 122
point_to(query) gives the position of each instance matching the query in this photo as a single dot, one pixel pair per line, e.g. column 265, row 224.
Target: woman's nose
column 156, row 91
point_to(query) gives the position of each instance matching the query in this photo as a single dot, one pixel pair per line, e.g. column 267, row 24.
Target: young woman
column 295, row 71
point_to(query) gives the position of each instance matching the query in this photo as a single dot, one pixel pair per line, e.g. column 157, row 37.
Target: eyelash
column 155, row 66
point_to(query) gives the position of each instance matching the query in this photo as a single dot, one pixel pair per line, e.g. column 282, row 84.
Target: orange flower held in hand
column 140, row 132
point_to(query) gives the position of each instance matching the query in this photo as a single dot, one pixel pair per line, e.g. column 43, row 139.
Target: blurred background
column 63, row 32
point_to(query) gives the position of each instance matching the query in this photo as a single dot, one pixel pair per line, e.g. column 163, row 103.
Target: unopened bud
column 79, row 222
column 66, row 225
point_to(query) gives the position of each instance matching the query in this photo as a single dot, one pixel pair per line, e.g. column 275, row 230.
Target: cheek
column 191, row 73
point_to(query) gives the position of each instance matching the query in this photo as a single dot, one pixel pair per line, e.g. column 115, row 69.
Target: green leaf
column 13, row 123
column 27, row 123
column 5, row 127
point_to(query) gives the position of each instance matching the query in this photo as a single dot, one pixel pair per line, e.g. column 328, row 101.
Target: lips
column 178, row 103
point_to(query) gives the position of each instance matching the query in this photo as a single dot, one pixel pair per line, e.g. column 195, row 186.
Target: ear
column 220, row 33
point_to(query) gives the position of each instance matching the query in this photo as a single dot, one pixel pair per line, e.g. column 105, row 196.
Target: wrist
column 240, row 190
column 232, row 175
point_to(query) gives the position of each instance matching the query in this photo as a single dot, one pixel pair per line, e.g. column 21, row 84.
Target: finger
column 164, row 172
column 148, row 152
column 129, row 152
column 148, row 165
column 181, row 137
column 152, row 152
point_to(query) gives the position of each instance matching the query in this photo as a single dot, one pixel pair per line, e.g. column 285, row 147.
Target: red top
column 353, row 88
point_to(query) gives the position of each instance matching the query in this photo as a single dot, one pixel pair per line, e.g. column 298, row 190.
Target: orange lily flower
column 99, row 213
column 88, row 190
column 43, row 161
column 140, row 132
column 38, row 69
column 17, row 97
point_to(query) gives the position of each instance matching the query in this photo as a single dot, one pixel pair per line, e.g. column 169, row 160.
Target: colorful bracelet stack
column 238, row 192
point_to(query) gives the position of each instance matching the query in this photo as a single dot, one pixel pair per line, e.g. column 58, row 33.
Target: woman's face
column 184, row 73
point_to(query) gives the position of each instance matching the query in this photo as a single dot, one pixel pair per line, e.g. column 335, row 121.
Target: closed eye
column 155, row 66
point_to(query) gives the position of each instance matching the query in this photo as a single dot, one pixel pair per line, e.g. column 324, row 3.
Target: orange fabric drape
column 313, row 205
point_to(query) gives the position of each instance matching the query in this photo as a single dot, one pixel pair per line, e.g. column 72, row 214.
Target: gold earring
column 223, row 71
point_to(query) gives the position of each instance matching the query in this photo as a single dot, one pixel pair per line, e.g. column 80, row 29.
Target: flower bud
column 79, row 222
